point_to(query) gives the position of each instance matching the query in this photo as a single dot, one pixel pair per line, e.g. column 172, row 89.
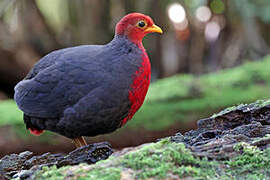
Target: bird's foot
column 79, row 142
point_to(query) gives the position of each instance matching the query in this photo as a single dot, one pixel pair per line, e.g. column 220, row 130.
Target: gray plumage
column 80, row 91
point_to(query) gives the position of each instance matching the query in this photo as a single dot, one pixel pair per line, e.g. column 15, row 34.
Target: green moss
column 51, row 173
column 103, row 174
column 78, row 172
column 162, row 158
column 251, row 164
column 261, row 103
column 165, row 159
column 257, row 104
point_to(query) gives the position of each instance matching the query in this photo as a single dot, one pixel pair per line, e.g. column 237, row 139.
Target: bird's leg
column 79, row 142
column 82, row 140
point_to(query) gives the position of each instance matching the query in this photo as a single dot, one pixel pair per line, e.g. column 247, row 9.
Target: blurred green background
column 213, row 54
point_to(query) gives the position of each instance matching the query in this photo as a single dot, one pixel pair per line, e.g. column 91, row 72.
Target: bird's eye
column 141, row 24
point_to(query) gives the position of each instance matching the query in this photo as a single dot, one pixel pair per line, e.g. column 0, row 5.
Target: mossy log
column 233, row 144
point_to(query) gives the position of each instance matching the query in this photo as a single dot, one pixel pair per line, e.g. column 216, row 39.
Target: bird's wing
column 56, row 56
column 55, row 88
column 43, row 63
column 52, row 87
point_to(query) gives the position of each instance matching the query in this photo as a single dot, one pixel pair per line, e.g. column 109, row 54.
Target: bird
column 88, row 90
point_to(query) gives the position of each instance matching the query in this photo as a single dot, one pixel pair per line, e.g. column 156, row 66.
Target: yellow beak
column 153, row 28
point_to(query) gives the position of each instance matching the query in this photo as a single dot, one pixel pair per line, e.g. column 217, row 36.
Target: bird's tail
column 31, row 124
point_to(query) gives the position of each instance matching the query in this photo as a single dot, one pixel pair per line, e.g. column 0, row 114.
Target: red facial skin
column 128, row 27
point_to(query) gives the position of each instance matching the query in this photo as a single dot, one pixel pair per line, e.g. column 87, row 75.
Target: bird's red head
column 135, row 26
